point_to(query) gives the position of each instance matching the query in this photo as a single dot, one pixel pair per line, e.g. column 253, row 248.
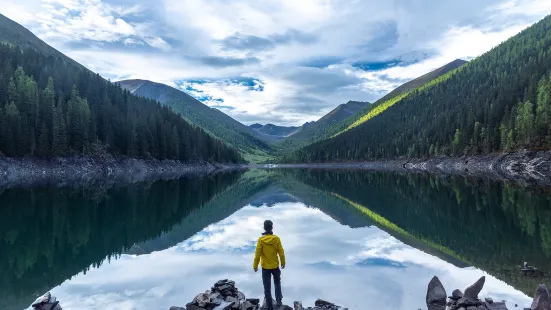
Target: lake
column 355, row 238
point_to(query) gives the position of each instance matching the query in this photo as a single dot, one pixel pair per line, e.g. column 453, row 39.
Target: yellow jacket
column 267, row 249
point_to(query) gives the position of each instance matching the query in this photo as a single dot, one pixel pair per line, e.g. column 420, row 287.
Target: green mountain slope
column 497, row 102
column 352, row 113
column 313, row 131
column 51, row 106
column 273, row 132
column 212, row 120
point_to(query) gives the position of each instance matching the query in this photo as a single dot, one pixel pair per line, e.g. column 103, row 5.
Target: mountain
column 212, row 120
column 51, row 106
column 312, row 131
column 422, row 80
column 499, row 102
column 347, row 114
column 273, row 132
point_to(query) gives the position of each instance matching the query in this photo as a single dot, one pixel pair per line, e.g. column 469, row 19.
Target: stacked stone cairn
column 225, row 296
column 436, row 298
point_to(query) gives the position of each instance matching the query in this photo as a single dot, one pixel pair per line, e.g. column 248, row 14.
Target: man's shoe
column 279, row 303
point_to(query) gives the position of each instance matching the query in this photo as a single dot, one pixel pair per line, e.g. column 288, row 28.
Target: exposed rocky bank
column 532, row 167
column 76, row 171
column 225, row 296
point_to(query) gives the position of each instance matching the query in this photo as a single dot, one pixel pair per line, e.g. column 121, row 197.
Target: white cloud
column 170, row 40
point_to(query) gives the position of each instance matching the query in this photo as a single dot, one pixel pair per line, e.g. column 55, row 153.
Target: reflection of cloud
column 324, row 260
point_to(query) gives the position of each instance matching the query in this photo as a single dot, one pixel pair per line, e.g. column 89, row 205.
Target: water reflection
column 350, row 236
column 349, row 266
column 47, row 235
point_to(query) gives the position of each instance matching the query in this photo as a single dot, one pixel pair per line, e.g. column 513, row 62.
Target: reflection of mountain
column 222, row 206
column 492, row 225
column 255, row 188
column 48, row 235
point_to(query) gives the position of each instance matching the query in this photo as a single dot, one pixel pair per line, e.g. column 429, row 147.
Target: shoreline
column 526, row 167
column 79, row 171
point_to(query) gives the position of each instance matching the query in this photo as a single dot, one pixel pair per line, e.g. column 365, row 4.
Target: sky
column 285, row 62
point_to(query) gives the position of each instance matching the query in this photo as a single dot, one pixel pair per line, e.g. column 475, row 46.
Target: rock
column 201, row 300
column 225, row 305
column 240, row 296
column 462, row 308
column 436, row 295
column 235, row 301
column 254, row 301
column 323, row 303
column 192, row 306
column 246, row 305
column 456, row 294
column 466, row 302
column 297, row 305
column 472, row 308
column 481, row 307
column 541, row 299
column 473, row 290
column 177, row 308
column 489, row 300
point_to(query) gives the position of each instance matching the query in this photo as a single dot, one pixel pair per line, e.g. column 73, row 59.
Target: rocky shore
column 77, row 171
column 225, row 296
column 469, row 300
column 531, row 167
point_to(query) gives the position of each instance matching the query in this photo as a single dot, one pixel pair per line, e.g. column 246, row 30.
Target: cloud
column 216, row 61
column 308, row 56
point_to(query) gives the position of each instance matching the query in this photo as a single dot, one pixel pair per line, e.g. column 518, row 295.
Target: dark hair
column 268, row 225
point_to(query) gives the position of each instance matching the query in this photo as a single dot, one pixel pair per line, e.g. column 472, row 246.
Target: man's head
column 268, row 225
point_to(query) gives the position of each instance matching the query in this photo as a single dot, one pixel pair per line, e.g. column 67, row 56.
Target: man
column 268, row 248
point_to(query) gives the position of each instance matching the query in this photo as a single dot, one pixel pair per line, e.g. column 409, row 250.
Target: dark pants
column 267, row 281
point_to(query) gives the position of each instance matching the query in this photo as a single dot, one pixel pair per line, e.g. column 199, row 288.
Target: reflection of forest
column 493, row 225
column 49, row 235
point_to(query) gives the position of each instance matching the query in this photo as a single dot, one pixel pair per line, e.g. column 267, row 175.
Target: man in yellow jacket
column 268, row 248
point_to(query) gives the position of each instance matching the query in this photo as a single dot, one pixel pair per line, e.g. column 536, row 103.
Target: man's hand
column 255, row 269
column 282, row 266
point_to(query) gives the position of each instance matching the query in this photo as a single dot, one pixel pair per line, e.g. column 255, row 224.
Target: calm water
column 350, row 237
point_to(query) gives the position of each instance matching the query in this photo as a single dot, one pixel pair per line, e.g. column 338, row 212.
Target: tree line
column 499, row 102
column 53, row 107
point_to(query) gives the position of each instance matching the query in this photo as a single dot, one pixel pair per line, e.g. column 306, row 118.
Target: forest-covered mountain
column 210, row 119
column 345, row 115
column 52, row 106
column 273, row 132
column 313, row 131
column 498, row 102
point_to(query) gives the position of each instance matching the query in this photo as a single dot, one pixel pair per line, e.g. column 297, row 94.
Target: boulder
column 201, row 300
column 472, row 308
column 297, row 305
column 456, row 294
column 254, row 301
column 225, row 305
column 240, row 296
column 246, row 305
column 436, row 295
column 541, row 299
column 177, row 308
column 323, row 303
column 473, row 290
column 467, row 302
